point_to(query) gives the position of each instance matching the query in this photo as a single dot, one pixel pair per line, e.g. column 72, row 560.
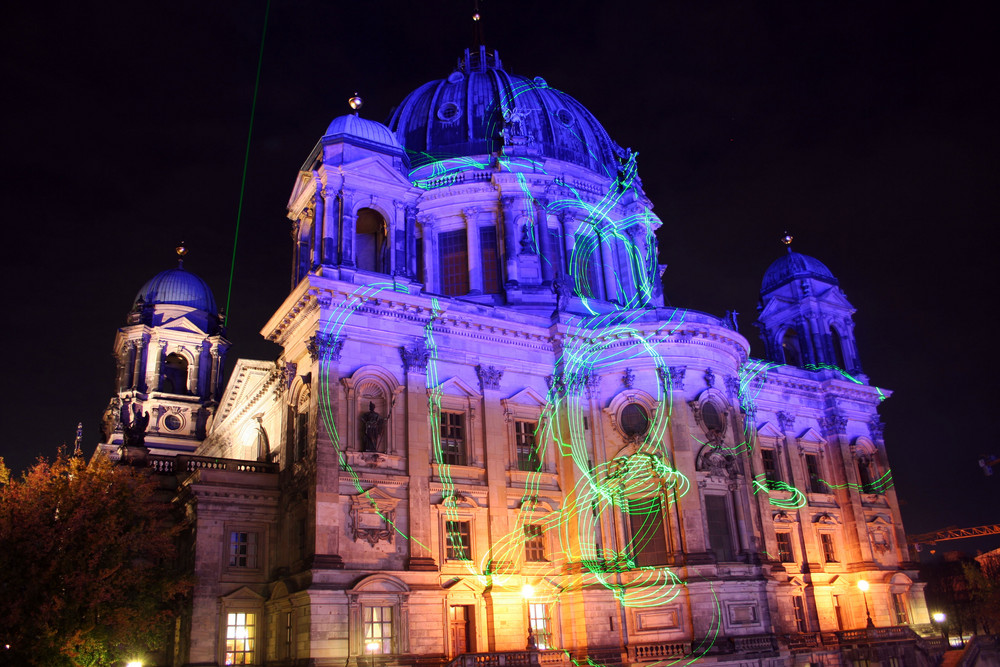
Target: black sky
column 866, row 129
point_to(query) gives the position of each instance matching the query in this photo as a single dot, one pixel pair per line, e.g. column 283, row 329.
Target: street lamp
column 939, row 618
column 370, row 647
column 863, row 586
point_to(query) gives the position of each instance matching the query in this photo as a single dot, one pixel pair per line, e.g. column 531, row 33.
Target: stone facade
column 487, row 431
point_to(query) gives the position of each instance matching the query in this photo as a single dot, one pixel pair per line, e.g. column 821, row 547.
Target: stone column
column 319, row 206
column 326, row 501
column 547, row 259
column 509, row 237
column 427, row 225
column 495, row 448
column 410, row 222
column 153, row 379
column 415, row 359
column 607, row 255
column 348, row 226
column 474, row 254
column 331, row 232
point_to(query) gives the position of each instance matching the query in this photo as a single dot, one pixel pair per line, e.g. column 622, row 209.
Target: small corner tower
column 169, row 358
column 803, row 316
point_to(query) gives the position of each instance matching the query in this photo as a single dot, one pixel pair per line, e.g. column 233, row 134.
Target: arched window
column 790, row 347
column 174, row 374
column 838, row 347
column 370, row 242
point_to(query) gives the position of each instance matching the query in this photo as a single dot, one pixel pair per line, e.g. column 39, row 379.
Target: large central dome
column 466, row 114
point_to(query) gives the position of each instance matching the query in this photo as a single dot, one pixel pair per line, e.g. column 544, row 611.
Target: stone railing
column 658, row 651
column 509, row 659
column 754, row 643
column 811, row 640
column 186, row 463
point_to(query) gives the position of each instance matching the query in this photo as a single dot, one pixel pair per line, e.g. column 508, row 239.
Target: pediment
column 181, row 323
column 526, row 396
column 243, row 594
column 811, row 437
column 769, row 430
column 456, row 387
column 826, row 519
column 376, row 169
column 244, row 387
column 377, row 496
column 879, row 520
column 380, row 583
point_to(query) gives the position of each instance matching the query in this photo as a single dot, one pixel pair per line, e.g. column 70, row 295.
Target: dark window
column 378, row 628
column 453, row 438
column 800, row 613
column 865, row 476
column 649, row 543
column 421, row 277
column 790, row 347
column 713, row 417
column 770, row 460
column 301, row 435
column 370, row 242
column 243, row 550
column 288, row 634
column 785, row 548
column 457, row 540
column 454, row 263
column 829, row 552
column 491, row 260
column 838, row 347
column 527, row 452
column 173, row 379
column 720, row 534
column 899, row 608
column 634, row 420
column 534, row 544
column 816, row 484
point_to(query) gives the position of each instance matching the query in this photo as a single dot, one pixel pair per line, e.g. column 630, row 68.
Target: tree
column 88, row 573
column 983, row 576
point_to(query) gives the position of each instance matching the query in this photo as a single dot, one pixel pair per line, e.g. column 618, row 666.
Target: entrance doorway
column 461, row 625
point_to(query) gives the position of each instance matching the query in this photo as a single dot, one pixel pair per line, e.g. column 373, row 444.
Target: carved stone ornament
column 709, row 378
column 415, row 357
column 880, row 539
column 489, row 377
column 575, row 382
column 677, row 376
column 628, row 378
column 786, row 421
column 372, row 516
column 833, row 425
column 325, row 347
column 716, row 462
column 875, row 427
column 733, row 386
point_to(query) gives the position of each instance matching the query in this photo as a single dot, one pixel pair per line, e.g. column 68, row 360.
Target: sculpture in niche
column 372, row 426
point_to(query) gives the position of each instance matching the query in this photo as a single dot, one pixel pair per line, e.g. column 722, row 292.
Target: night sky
column 868, row 130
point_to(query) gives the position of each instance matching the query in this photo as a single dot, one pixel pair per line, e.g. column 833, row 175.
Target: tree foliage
column 88, row 571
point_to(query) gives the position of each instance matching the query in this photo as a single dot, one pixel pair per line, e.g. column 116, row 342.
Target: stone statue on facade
column 134, row 423
column 372, row 425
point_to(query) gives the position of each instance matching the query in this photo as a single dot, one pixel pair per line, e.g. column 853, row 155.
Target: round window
column 634, row 420
column 564, row 117
column 172, row 422
column 448, row 111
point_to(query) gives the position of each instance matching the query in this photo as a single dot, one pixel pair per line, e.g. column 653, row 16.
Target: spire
column 477, row 26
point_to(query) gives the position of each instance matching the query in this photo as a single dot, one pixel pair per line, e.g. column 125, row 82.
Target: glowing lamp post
column 940, row 618
column 371, row 647
column 863, row 587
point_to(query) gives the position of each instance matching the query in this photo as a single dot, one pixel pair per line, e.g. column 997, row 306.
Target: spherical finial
column 787, row 239
column 355, row 102
column 475, row 17
column 181, row 250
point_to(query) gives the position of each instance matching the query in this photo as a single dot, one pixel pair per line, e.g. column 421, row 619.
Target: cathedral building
column 487, row 440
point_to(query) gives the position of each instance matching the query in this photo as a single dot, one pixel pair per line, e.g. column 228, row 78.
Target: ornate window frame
column 379, row 590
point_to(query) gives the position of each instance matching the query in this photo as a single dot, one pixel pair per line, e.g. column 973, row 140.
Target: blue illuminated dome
column 794, row 265
column 362, row 132
column 177, row 287
column 463, row 115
